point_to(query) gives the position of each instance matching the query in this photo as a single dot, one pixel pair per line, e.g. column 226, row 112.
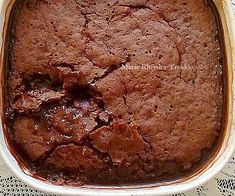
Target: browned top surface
column 89, row 101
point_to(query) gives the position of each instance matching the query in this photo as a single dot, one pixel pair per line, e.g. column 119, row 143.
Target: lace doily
column 221, row 185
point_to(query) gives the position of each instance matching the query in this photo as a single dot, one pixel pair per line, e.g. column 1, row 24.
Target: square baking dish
column 206, row 172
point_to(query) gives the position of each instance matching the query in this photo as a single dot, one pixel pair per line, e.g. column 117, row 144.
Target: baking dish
column 205, row 173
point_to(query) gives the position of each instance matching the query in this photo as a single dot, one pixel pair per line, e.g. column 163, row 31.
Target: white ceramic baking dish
column 205, row 173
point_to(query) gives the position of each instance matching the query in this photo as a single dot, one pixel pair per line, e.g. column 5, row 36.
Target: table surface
column 222, row 184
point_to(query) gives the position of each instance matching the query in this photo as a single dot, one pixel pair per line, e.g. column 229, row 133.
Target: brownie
column 114, row 91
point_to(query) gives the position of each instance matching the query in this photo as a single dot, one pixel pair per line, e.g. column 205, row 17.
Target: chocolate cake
column 114, row 91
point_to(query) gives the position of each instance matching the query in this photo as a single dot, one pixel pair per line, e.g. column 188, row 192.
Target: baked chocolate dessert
column 114, row 91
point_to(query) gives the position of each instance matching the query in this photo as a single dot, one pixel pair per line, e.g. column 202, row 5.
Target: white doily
column 221, row 185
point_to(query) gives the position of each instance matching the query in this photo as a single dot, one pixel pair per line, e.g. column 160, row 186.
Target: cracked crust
column 79, row 115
